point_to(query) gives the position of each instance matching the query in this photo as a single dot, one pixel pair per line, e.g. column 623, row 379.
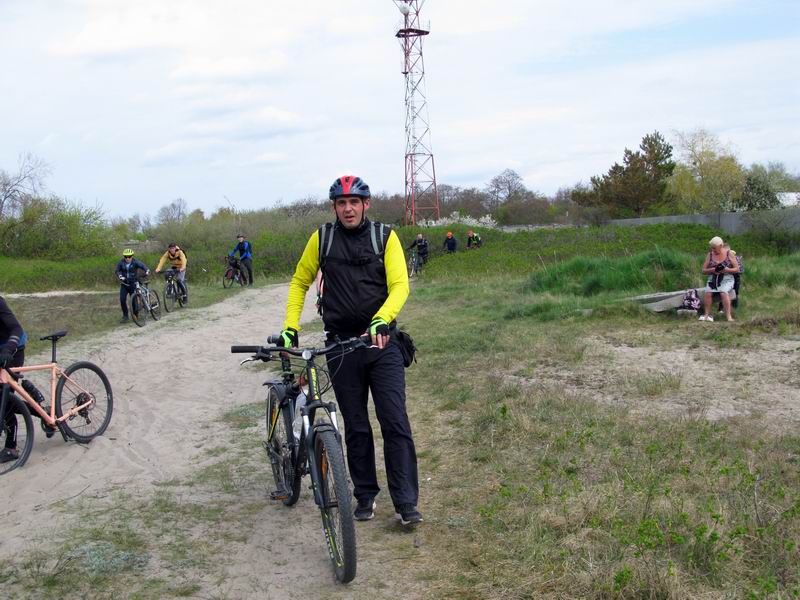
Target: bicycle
column 318, row 450
column 80, row 408
column 173, row 290
column 144, row 301
column 234, row 273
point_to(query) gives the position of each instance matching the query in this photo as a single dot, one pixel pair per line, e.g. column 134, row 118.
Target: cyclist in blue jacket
column 126, row 273
column 245, row 251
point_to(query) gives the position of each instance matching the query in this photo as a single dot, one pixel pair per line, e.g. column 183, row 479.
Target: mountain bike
column 413, row 267
column 144, row 301
column 173, row 291
column 318, row 450
column 233, row 273
column 81, row 403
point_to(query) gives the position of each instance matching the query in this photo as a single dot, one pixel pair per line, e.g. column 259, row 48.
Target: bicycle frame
column 56, row 373
column 311, row 427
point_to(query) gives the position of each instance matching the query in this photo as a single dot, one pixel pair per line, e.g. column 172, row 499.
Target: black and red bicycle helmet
column 349, row 185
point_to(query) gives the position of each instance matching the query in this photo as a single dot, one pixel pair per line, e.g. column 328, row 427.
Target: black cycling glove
column 6, row 354
column 378, row 327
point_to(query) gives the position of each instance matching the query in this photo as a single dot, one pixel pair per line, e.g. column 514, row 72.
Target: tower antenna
column 422, row 195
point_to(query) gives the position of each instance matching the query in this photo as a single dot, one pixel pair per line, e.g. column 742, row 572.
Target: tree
column 27, row 182
column 504, row 187
column 638, row 184
column 173, row 213
column 776, row 175
column 712, row 179
column 758, row 194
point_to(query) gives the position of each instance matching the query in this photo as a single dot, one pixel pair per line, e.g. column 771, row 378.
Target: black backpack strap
column 325, row 242
column 379, row 234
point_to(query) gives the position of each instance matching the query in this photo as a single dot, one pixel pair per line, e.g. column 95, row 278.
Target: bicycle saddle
column 54, row 336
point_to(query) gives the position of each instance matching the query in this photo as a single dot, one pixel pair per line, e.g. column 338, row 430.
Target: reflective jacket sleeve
column 304, row 276
column 396, row 279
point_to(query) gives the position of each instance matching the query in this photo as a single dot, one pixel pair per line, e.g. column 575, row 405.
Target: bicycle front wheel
column 337, row 509
column 281, row 453
column 227, row 279
column 138, row 309
column 155, row 304
column 169, row 297
column 16, row 430
column 84, row 385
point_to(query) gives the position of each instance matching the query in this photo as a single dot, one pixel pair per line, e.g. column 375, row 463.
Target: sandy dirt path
column 155, row 436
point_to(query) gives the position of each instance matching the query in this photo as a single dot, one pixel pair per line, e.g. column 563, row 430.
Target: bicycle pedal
column 276, row 495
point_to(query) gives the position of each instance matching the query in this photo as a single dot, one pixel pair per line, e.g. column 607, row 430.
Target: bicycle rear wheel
column 24, row 432
column 337, row 509
column 138, row 309
column 170, row 293
column 155, row 304
column 242, row 278
column 83, row 382
column 279, row 448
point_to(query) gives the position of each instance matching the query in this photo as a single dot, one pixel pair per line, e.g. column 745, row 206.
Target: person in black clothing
column 365, row 288
column 421, row 245
column 126, row 272
column 245, row 251
column 12, row 354
column 450, row 243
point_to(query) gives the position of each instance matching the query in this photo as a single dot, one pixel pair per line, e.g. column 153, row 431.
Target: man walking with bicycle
column 126, row 273
column 421, row 244
column 365, row 287
column 177, row 259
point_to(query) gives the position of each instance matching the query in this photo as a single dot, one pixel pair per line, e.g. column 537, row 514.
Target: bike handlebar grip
column 245, row 349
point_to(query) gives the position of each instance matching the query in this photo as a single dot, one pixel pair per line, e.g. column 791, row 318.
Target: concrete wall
column 733, row 223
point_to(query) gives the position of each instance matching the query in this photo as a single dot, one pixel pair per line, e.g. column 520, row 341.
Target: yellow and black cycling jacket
column 359, row 285
column 177, row 260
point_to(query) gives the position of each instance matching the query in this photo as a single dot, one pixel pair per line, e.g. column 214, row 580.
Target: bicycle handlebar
column 353, row 343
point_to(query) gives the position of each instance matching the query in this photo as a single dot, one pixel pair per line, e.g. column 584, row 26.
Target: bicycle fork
column 316, row 470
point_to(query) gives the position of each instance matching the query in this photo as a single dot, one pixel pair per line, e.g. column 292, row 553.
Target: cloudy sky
column 134, row 104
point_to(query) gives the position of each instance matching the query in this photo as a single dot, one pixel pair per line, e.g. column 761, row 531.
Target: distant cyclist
column 450, row 243
column 176, row 258
column 126, row 273
column 245, row 251
column 421, row 244
column 473, row 240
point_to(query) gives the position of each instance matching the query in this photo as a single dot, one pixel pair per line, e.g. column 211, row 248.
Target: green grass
column 538, row 489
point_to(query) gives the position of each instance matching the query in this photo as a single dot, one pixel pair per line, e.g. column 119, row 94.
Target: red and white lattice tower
column 422, row 196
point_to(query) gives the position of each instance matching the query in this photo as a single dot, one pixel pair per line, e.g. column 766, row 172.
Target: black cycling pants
column 382, row 373
column 124, row 292
column 247, row 263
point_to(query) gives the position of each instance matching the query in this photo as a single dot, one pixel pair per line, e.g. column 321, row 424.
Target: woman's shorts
column 725, row 286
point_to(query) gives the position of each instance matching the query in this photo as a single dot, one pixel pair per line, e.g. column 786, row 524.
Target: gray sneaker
column 408, row 514
column 365, row 509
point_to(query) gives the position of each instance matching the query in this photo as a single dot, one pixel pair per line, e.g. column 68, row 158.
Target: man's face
column 350, row 210
column 419, row 236
column 173, row 249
